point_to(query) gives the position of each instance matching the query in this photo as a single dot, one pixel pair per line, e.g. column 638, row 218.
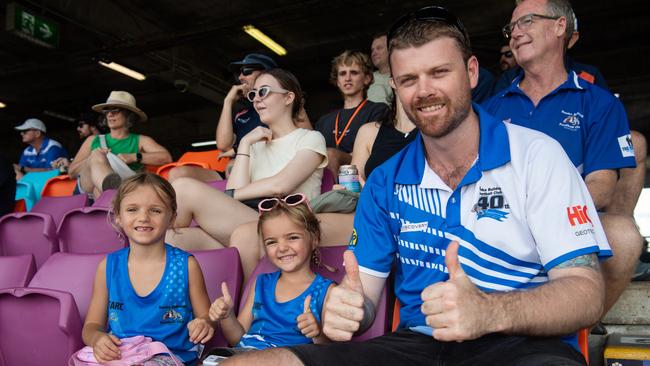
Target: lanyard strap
column 338, row 138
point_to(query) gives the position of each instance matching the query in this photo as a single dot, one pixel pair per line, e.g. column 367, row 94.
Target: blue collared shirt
column 50, row 151
column 516, row 214
column 588, row 121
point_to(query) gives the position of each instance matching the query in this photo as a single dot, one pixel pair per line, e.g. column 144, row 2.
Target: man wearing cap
column 487, row 268
column 238, row 117
column 589, row 122
column 103, row 160
column 87, row 125
column 41, row 152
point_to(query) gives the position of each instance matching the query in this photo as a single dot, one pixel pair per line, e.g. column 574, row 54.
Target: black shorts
column 406, row 347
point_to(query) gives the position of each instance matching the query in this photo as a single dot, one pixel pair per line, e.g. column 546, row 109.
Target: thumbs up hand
column 344, row 309
column 456, row 309
column 307, row 322
column 222, row 307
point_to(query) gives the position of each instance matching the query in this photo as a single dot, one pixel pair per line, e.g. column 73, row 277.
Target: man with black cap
column 87, row 125
column 238, row 117
column 41, row 152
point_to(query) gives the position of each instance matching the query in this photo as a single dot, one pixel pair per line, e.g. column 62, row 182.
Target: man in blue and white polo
column 469, row 215
column 589, row 122
column 41, row 152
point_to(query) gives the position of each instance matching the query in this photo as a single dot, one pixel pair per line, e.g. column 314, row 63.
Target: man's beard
column 440, row 126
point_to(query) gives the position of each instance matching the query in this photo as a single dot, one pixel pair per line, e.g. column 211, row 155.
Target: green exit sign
column 35, row 28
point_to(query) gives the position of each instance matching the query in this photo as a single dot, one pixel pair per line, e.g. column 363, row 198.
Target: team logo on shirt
column 578, row 215
column 353, row 238
column 625, row 143
column 241, row 113
column 171, row 315
column 572, row 120
column 491, row 204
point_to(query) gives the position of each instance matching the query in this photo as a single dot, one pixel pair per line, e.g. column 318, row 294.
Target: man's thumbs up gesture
column 344, row 307
column 455, row 309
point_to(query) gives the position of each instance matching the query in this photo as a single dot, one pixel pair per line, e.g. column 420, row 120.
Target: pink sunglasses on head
column 293, row 199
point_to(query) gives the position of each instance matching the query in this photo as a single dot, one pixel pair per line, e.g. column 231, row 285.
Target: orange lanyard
column 338, row 138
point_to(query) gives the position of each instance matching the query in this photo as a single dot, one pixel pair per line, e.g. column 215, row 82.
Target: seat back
column 28, row 233
column 220, row 265
column 58, row 206
column 328, row 181
column 20, row 205
column 163, row 171
column 333, row 257
column 87, row 230
column 59, row 186
column 25, row 191
column 69, row 272
column 16, row 270
column 218, row 184
column 209, row 157
column 105, row 199
column 38, row 327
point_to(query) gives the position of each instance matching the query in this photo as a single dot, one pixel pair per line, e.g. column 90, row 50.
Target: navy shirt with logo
column 43, row 158
column 244, row 120
column 589, row 122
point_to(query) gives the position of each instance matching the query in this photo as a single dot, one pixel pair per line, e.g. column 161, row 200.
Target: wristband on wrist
column 138, row 157
column 242, row 154
column 22, row 169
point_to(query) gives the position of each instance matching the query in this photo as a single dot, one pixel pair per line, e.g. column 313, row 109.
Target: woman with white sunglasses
column 271, row 162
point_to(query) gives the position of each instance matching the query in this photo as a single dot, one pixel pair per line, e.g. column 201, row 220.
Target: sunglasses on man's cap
column 429, row 13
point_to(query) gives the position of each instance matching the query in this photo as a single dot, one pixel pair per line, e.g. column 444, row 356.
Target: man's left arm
column 573, row 298
column 600, row 184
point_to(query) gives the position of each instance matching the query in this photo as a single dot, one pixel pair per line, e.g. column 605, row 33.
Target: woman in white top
column 271, row 162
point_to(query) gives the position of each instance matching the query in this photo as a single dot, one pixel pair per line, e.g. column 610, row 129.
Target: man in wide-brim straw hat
column 103, row 160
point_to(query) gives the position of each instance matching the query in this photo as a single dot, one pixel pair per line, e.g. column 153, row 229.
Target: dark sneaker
column 642, row 272
column 111, row 181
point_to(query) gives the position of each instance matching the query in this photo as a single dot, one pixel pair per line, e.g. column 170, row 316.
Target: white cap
column 32, row 123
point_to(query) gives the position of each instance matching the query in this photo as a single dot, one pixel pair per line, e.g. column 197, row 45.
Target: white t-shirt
column 269, row 158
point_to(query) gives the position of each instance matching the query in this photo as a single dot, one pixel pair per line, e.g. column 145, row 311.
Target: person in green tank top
column 104, row 160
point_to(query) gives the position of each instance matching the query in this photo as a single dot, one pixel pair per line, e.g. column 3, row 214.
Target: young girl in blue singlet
column 149, row 288
column 284, row 307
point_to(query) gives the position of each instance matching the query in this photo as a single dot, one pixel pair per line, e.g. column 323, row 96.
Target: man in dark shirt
column 352, row 75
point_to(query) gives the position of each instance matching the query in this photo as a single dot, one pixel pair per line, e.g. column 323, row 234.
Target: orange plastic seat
column 151, row 168
column 20, row 206
column 163, row 171
column 59, row 186
column 209, row 157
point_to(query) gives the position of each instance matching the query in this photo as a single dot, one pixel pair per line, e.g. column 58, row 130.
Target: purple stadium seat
column 328, row 181
column 58, row 206
column 333, row 257
column 68, row 272
column 220, row 265
column 28, row 233
column 16, row 271
column 218, row 184
column 105, row 199
column 87, row 231
column 38, row 327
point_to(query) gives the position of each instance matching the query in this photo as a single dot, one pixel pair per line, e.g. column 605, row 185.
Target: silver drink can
column 349, row 178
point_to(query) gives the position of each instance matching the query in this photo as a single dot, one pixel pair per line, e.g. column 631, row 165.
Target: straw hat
column 121, row 99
